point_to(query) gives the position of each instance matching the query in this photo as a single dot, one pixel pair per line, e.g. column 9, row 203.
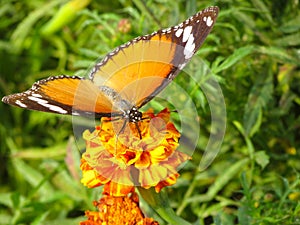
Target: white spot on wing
column 189, row 47
column 180, row 66
column 186, row 33
column 47, row 105
column 21, row 104
column 178, row 32
column 167, row 30
column 208, row 20
column 38, row 100
column 36, row 95
column 75, row 113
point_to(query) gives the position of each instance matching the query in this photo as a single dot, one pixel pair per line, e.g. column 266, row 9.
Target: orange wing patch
column 81, row 94
column 64, row 95
column 137, row 69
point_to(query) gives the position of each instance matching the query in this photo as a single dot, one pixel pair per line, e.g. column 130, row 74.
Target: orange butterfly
column 127, row 78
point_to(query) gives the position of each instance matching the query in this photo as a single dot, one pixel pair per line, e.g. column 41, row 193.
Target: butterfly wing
column 141, row 68
column 129, row 76
column 63, row 95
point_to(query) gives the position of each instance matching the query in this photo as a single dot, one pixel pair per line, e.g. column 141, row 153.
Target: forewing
column 141, row 68
column 63, row 95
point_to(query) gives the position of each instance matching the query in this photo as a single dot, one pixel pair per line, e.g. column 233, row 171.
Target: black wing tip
column 5, row 99
column 213, row 9
column 216, row 10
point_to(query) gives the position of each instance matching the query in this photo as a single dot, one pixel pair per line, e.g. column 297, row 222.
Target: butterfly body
column 126, row 79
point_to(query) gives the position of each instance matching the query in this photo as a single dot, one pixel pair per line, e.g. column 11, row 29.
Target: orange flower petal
column 120, row 158
column 118, row 210
column 167, row 182
column 117, row 189
column 90, row 177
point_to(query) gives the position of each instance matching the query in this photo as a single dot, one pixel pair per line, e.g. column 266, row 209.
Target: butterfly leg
column 138, row 129
column 136, row 125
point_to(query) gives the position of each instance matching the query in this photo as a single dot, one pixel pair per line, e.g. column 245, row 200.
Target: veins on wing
column 115, row 98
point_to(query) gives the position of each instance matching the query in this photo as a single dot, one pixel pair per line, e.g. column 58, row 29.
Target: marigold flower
column 124, row 26
column 119, row 159
column 126, row 208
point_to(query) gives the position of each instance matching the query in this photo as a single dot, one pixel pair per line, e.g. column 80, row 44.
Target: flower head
column 124, row 26
column 119, row 159
column 126, row 208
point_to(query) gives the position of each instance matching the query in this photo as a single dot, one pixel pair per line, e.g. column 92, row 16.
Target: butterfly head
column 133, row 115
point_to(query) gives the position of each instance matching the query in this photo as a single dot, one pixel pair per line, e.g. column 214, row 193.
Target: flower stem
column 159, row 202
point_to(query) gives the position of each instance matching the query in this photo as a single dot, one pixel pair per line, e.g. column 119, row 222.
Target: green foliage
column 253, row 53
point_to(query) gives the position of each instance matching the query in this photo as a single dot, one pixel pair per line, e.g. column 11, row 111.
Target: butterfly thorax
column 130, row 113
column 133, row 115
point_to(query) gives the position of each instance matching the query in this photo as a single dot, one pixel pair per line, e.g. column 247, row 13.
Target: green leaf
column 244, row 18
column 254, row 121
column 288, row 40
column 237, row 55
column 292, row 25
column 226, row 176
column 160, row 203
column 34, row 177
column 64, row 16
column 244, row 217
column 265, row 10
column 40, row 219
column 24, row 28
column 223, row 179
column 279, row 53
column 262, row 159
column 260, row 95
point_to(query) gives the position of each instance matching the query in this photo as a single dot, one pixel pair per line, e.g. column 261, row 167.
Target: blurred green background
column 253, row 51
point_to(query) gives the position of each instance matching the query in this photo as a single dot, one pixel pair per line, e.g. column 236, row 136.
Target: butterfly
column 126, row 79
